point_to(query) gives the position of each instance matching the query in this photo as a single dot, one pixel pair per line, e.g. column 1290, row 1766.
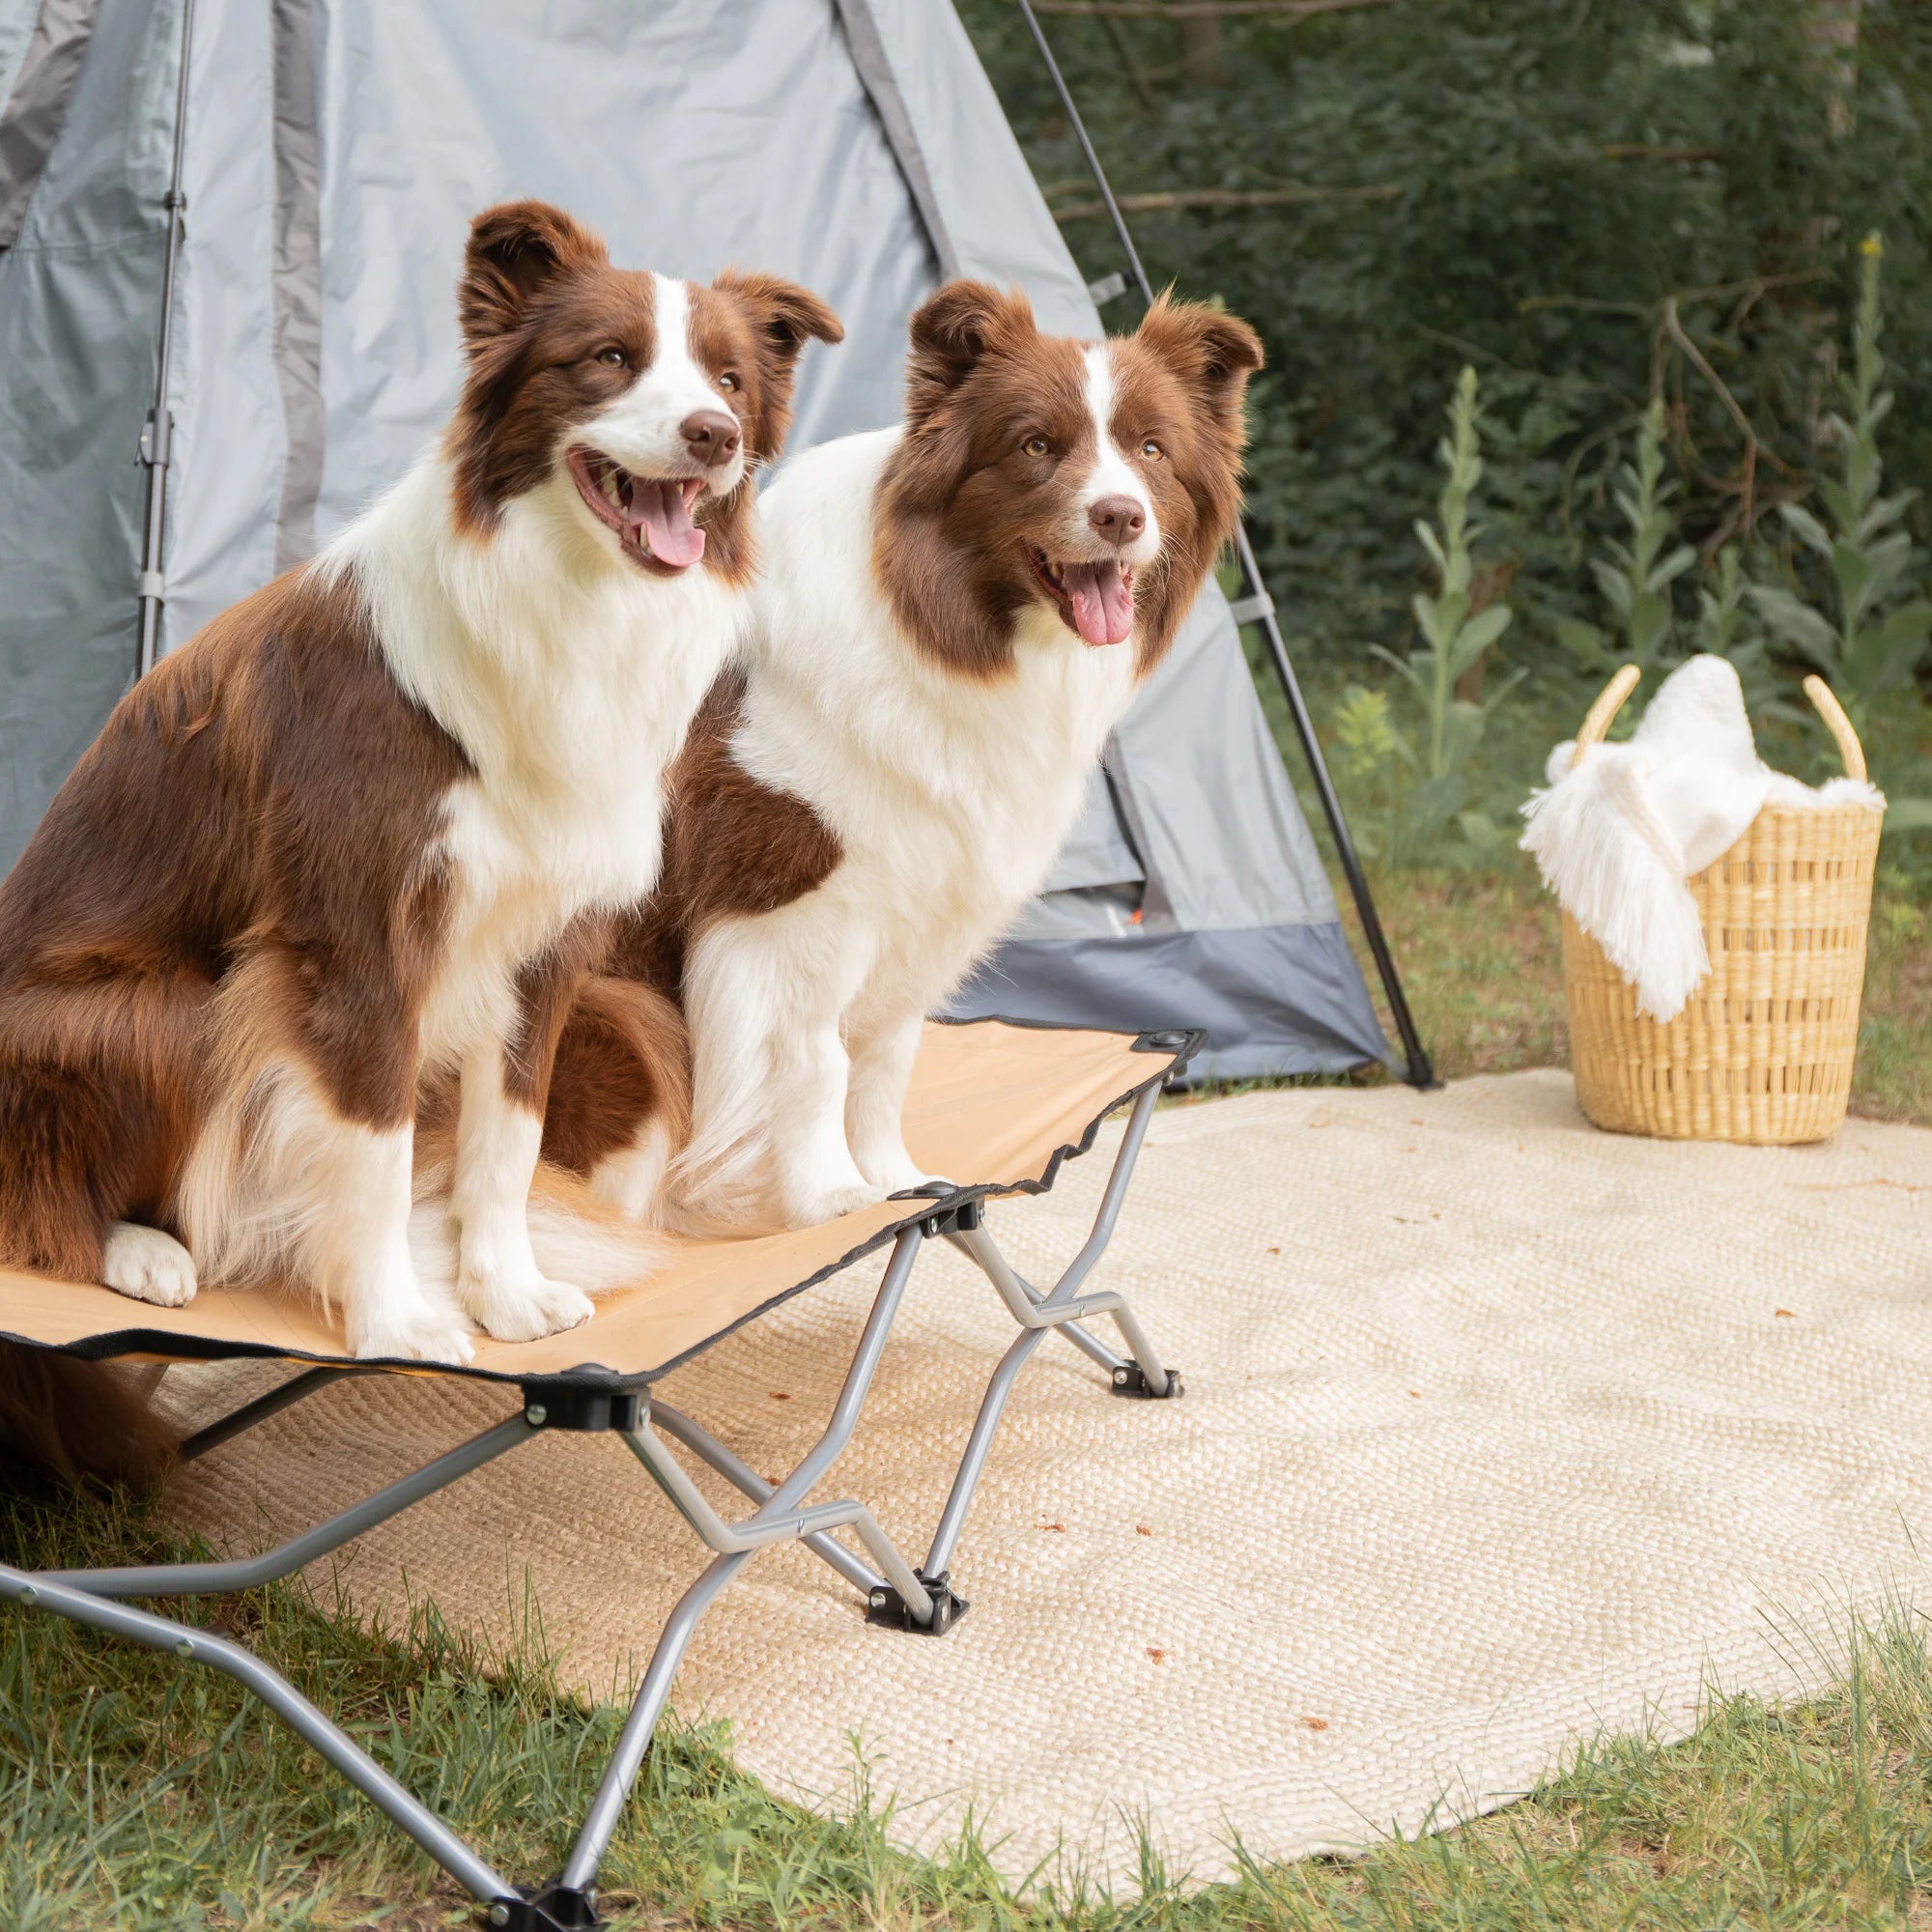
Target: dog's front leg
column 882, row 1053
column 506, row 1086
column 764, row 996
column 815, row 1175
column 359, row 1249
column 330, row 1138
column 819, row 965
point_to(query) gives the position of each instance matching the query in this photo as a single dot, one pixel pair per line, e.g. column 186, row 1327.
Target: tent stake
column 157, row 434
column 1257, row 607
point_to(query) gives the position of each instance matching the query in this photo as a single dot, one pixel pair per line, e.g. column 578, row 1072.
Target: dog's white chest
column 516, row 878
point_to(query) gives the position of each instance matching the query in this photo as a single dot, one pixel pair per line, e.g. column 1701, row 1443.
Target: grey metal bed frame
column 897, row 1594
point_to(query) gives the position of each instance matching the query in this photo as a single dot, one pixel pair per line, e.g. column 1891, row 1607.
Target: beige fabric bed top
column 992, row 1105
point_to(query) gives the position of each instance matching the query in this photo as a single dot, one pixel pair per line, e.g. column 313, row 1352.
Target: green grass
column 1478, row 947
column 134, row 1795
column 1481, row 962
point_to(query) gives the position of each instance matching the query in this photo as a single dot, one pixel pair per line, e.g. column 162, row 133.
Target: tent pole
column 1418, row 1071
column 157, row 433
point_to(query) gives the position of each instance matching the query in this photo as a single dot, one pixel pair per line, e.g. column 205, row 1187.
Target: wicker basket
column 1763, row 1048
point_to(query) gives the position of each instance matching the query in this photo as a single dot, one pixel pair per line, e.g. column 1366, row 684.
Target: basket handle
column 1611, row 701
column 1837, row 723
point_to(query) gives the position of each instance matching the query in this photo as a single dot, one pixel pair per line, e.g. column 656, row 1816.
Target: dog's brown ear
column 783, row 318
column 1215, row 353
column 515, row 249
column 951, row 333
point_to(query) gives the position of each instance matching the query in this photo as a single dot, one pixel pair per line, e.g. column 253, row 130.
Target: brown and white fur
column 951, row 617
column 356, row 842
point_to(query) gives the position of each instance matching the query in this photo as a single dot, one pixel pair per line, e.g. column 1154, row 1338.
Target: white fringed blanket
column 1618, row 832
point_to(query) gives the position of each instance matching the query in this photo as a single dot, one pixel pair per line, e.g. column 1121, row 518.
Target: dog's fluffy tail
column 65, row 1421
column 576, row 1237
column 720, row 1176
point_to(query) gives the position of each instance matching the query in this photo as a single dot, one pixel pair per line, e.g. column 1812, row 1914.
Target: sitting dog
column 952, row 618
column 359, row 839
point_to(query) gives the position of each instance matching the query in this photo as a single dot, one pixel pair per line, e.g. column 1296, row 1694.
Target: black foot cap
column 888, row 1609
column 546, row 1908
column 1130, row 1379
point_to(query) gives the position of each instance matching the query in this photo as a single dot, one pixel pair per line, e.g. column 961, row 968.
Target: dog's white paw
column 897, row 1173
column 524, row 1308
column 890, row 1168
column 421, row 1332
column 149, row 1266
column 827, row 1204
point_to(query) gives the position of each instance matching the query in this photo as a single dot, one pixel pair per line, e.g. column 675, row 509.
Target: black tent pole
column 157, row 433
column 1259, row 607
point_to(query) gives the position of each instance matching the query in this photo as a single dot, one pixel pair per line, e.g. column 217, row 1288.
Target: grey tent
column 331, row 153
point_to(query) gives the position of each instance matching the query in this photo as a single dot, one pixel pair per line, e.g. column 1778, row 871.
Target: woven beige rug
column 1499, row 1432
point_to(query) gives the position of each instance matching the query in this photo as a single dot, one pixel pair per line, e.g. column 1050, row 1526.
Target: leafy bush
column 1419, row 776
column 1878, row 638
column 1637, row 218
column 1593, row 203
column 1635, row 577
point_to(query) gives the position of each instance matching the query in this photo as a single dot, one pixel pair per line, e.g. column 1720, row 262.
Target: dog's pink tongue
column 1103, row 601
column 665, row 519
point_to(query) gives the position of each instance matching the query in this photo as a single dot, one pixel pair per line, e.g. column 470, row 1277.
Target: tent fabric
column 1238, row 986
column 40, row 85
column 1001, row 1104
column 336, row 150
column 296, row 280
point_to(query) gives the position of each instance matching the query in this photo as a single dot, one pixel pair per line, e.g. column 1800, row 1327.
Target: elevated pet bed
column 1000, row 1101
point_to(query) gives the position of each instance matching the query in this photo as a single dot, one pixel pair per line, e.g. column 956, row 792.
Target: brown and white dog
column 355, row 841
column 951, row 618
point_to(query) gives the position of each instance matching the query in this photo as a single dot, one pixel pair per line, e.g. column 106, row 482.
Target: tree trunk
column 1835, row 31
column 1203, row 55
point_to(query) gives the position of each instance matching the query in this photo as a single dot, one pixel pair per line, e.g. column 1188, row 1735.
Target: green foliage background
column 1523, row 186
column 1612, row 209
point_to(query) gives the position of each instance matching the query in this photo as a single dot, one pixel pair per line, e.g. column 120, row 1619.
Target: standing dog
column 953, row 619
column 360, row 837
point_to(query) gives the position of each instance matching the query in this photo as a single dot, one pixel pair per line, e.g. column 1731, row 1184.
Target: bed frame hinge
column 960, row 1220
column 887, row 1609
column 554, row 1907
column 570, row 1406
column 1131, row 1379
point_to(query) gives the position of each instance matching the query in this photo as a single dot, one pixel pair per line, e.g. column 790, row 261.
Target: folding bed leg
column 249, row 1573
column 1142, row 1371
column 781, row 1516
column 197, row 1647
column 298, row 1388
column 1063, row 1307
column 739, row 1473
column 86, row 1597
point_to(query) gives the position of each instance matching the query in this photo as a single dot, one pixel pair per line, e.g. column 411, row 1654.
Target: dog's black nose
column 711, row 436
column 1118, row 518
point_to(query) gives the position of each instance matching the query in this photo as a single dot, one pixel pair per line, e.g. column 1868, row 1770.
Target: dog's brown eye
column 1034, row 445
column 1152, row 450
column 613, row 356
column 727, row 381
